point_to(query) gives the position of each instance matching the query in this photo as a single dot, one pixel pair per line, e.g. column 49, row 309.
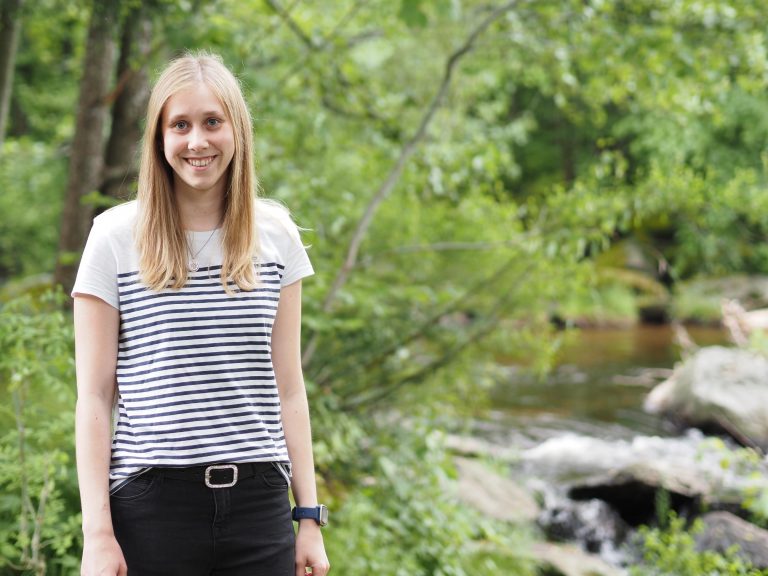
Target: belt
column 216, row 475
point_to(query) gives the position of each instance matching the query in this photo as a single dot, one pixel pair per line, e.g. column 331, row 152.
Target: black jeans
column 168, row 522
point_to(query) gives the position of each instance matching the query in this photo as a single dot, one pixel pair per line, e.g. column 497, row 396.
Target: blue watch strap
column 315, row 513
column 303, row 513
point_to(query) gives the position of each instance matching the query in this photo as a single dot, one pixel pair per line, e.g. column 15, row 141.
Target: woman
column 187, row 321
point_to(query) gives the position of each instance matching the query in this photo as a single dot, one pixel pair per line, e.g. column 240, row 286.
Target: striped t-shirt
column 194, row 366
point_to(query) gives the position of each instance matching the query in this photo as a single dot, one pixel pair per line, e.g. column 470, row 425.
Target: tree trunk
column 130, row 105
column 87, row 154
column 10, row 25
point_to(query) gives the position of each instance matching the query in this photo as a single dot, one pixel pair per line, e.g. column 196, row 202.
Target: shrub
column 39, row 518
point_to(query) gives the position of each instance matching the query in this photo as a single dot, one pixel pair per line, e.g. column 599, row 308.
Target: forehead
column 195, row 100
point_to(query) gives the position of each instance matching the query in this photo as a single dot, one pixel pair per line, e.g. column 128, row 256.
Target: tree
column 87, row 152
column 130, row 104
column 10, row 25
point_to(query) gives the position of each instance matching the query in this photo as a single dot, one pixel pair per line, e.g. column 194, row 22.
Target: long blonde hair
column 160, row 238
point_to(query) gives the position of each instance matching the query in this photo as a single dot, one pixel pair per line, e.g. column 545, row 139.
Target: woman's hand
column 310, row 550
column 102, row 556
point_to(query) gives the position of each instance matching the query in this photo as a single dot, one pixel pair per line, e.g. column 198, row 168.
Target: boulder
column 592, row 523
column 569, row 560
column 718, row 388
column 629, row 474
column 723, row 530
column 477, row 447
column 492, row 494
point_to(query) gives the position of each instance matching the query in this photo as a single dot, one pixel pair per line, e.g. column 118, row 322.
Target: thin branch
column 386, row 188
column 382, row 390
column 312, row 46
column 315, row 47
column 38, row 560
column 368, row 113
column 292, row 24
column 446, row 246
column 272, row 29
column 419, row 331
column 27, row 509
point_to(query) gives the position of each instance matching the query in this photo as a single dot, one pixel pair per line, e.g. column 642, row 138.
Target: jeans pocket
column 136, row 488
column 274, row 479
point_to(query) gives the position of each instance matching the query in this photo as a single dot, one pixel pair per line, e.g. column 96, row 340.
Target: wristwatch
column 319, row 514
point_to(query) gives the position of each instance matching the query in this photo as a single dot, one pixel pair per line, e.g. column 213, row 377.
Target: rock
column 723, row 530
column 593, row 523
column 700, row 300
column 472, row 446
column 632, row 491
column 494, row 495
column 569, row 560
column 722, row 388
column 741, row 323
column 628, row 474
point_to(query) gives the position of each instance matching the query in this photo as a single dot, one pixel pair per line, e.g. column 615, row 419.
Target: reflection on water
column 596, row 379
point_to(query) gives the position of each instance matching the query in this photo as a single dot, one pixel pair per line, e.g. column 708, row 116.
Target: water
column 586, row 417
column 600, row 381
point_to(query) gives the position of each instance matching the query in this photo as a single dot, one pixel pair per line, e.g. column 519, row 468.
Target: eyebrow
column 208, row 113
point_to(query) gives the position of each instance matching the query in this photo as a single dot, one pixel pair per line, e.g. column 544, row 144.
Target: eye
column 213, row 122
column 180, row 125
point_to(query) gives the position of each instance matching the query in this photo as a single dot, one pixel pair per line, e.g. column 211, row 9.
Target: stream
column 588, row 413
column 598, row 385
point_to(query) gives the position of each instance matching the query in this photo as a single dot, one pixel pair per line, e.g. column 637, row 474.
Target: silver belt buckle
column 221, row 467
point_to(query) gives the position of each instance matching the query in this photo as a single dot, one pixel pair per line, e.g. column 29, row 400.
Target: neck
column 200, row 212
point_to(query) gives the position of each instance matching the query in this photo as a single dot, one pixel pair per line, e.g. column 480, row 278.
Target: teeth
column 200, row 162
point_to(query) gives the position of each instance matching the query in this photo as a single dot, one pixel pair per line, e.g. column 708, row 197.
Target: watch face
column 323, row 515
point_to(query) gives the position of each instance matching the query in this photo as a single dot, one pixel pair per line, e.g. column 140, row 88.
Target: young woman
column 187, row 322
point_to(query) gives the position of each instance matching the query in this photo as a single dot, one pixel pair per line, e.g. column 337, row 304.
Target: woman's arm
column 286, row 358
column 96, row 333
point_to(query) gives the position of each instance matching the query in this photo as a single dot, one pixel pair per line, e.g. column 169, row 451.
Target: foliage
column 758, row 341
column 672, row 552
column 402, row 518
column 39, row 523
column 569, row 128
column 32, row 180
column 747, row 463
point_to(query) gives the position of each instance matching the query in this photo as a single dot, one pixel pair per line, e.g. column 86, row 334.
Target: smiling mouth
column 200, row 162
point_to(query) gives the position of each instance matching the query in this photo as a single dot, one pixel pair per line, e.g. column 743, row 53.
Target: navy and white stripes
column 194, row 366
column 194, row 372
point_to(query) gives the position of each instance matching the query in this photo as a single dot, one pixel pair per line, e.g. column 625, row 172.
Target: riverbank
column 589, row 499
column 578, row 445
column 623, row 298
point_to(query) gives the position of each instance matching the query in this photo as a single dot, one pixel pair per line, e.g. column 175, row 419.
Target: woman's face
column 198, row 140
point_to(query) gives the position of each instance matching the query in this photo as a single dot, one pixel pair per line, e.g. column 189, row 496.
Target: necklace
column 194, row 265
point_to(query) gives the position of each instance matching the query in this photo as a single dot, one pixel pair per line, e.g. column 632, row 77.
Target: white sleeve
column 97, row 274
column 296, row 259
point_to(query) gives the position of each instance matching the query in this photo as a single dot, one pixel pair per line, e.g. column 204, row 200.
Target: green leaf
column 412, row 13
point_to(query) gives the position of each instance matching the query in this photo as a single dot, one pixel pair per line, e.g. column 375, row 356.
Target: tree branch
column 385, row 389
column 292, row 24
column 419, row 331
column 312, row 46
column 386, row 188
column 446, row 246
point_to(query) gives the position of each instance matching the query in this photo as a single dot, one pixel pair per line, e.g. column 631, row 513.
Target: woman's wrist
column 98, row 535
column 308, row 524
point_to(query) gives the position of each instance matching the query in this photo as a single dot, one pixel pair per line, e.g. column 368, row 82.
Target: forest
column 597, row 163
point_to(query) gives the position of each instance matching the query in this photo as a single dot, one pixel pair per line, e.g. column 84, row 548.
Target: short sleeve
column 97, row 273
column 296, row 259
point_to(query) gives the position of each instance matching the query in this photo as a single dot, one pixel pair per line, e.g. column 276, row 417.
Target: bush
column 32, row 178
column 672, row 552
column 404, row 519
column 39, row 507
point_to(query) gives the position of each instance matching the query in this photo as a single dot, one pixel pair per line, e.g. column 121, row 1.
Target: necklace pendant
column 194, row 266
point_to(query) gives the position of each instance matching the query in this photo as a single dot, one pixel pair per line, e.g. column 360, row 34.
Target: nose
column 197, row 140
